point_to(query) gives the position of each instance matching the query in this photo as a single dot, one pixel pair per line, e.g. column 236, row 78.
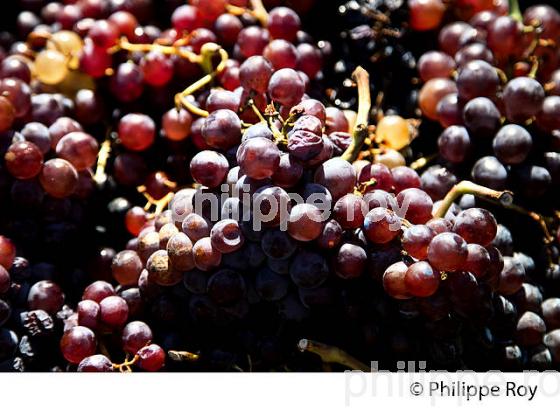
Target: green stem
column 505, row 198
column 331, row 354
column 360, row 132
column 514, row 10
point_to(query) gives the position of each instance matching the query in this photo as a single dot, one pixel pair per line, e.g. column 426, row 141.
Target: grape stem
column 125, row 367
column 514, row 10
column 183, row 356
column 100, row 175
column 124, row 44
column 331, row 354
column 259, row 12
column 505, row 198
column 209, row 50
column 360, row 132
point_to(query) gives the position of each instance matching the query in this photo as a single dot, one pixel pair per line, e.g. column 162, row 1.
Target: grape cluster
column 490, row 85
column 203, row 186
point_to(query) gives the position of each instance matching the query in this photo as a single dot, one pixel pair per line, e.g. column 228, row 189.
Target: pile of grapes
column 227, row 185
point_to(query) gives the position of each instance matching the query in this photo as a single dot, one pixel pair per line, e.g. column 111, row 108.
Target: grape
column 271, row 286
column 304, row 145
column 379, row 174
column 474, row 51
column 476, row 225
column 226, row 287
column 478, row 260
column 160, row 270
column 77, row 344
column 450, row 111
column 289, row 171
column 381, row 225
column 15, row 67
column 511, row 277
column 546, row 17
column 281, row 54
column 350, row 261
column 223, row 99
column 450, row 36
column 349, row 211
column 51, row 67
column 331, row 236
column 415, row 241
column 258, row 158
column 252, row 40
column 308, row 269
column 432, row 93
column 481, row 117
column 547, row 117
column 278, row 244
column 98, row 291
column 488, row 171
column 337, row 175
column 227, row 27
column 97, row 363
column 103, row 33
column 226, row 236
column 551, row 313
column 209, row 168
column 437, row 181
column 205, row 255
column 309, row 62
column 179, row 250
column 19, row 95
column 127, row 83
column 151, row 358
column 530, row 329
column 534, row 181
column 113, row 311
column 523, row 97
column 286, row 87
column 394, row 281
column 78, row 148
column 420, row 279
column 135, row 336
column 24, row 160
column 477, row 79
column 454, row 144
column 405, row 177
column 222, row 129
column 447, row 252
column 7, row 114
column 62, row 126
column 394, row 131
column 38, row 134
column 45, row 295
column 88, row 314
column 425, row 14
column 305, row 222
column 94, row 61
column 157, row 68
column 283, row 23
column 435, row 64
column 136, row 131
column 504, row 36
column 255, row 73
column 273, row 205
column 126, row 267
column 196, row 227
column 415, row 205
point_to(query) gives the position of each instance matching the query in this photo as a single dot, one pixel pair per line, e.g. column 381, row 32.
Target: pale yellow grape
column 393, row 131
column 50, row 67
column 390, row 158
column 66, row 42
